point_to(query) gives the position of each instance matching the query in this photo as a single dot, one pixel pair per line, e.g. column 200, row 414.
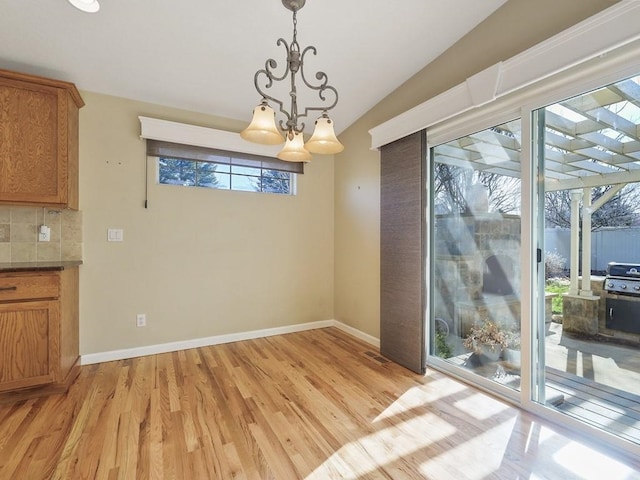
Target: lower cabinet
column 38, row 331
column 26, row 333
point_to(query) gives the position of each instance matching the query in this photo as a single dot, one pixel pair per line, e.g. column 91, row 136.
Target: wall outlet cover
column 44, row 234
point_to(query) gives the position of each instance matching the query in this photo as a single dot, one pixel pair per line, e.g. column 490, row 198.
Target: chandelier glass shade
column 89, row 6
column 293, row 150
column 263, row 128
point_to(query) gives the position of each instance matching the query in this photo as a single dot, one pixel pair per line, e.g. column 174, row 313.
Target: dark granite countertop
column 38, row 266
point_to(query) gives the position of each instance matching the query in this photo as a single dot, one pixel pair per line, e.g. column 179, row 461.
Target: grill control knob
column 636, row 288
column 610, row 284
column 623, row 286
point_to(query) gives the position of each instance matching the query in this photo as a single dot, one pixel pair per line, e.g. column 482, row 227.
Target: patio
column 595, row 381
column 600, row 381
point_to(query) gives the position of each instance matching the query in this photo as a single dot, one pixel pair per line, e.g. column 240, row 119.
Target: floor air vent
column 376, row 357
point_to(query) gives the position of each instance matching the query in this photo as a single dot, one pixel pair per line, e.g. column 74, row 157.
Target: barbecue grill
column 622, row 285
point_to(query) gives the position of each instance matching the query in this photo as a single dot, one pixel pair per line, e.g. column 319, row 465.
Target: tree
column 187, row 172
column 619, row 211
column 451, row 185
column 273, row 181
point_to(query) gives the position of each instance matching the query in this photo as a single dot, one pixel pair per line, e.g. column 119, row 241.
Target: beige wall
column 198, row 262
column 205, row 262
column 513, row 28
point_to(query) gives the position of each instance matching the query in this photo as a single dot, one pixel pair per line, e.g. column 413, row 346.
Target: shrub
column 442, row 347
column 554, row 265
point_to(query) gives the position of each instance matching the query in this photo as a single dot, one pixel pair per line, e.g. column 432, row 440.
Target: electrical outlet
column 141, row 320
column 44, row 234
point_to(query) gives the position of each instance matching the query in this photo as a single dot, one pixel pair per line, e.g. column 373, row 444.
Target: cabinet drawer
column 26, row 287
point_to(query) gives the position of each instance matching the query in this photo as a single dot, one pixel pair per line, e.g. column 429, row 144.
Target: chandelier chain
column 295, row 26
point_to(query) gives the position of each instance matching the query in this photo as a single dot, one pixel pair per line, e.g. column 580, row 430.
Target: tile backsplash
column 19, row 228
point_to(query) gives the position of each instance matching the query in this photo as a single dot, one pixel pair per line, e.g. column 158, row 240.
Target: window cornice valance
column 192, row 142
column 605, row 32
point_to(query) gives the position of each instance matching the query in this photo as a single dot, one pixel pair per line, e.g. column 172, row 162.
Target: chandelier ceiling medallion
column 263, row 129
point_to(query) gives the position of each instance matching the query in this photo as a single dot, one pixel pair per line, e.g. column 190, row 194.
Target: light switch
column 115, row 235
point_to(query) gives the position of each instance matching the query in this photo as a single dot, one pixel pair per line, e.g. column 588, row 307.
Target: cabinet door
column 32, row 144
column 28, row 343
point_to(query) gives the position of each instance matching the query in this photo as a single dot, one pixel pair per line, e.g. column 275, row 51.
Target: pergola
column 591, row 140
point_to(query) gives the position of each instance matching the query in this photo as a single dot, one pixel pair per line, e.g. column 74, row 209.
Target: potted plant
column 512, row 349
column 486, row 338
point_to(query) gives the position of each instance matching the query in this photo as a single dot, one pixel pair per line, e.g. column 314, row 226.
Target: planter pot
column 490, row 352
column 512, row 357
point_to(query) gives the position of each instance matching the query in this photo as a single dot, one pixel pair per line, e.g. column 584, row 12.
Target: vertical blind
column 402, row 284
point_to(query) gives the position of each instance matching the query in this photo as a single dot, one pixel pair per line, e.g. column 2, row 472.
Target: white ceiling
column 201, row 55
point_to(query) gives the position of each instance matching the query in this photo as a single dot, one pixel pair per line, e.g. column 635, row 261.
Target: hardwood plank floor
column 311, row 405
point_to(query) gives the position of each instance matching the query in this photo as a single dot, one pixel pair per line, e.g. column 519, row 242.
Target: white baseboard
column 110, row 356
column 357, row 333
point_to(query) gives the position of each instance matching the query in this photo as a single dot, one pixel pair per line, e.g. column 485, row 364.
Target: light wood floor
column 311, row 405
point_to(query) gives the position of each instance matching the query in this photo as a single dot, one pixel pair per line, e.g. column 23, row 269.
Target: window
column 188, row 165
column 176, row 171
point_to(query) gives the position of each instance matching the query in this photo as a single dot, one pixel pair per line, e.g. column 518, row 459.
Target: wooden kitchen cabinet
column 26, row 335
column 38, row 332
column 38, row 141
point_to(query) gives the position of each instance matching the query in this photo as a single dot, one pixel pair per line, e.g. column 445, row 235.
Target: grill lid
column 629, row 270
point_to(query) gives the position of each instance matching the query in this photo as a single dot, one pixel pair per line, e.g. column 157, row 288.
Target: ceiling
column 201, row 55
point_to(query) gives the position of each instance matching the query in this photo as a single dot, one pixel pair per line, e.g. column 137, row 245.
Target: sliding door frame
column 597, row 73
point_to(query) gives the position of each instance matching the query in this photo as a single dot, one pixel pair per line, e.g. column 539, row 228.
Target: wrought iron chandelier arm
column 271, row 64
column 268, row 76
column 322, row 108
column 268, row 83
column 322, row 87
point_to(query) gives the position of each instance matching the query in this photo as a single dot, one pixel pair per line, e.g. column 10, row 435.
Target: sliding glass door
column 475, row 308
column 589, row 289
column 533, row 254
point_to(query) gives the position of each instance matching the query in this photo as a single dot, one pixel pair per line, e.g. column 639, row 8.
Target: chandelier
column 263, row 129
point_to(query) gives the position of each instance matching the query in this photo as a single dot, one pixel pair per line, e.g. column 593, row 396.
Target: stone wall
column 580, row 314
column 463, row 245
column 587, row 316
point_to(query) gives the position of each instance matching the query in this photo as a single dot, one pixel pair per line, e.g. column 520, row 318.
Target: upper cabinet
column 38, row 141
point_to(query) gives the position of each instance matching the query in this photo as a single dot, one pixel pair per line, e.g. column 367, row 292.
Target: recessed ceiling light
column 90, row 6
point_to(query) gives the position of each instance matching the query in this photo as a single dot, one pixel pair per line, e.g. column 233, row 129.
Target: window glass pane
column 177, row 172
column 206, row 174
column 245, row 170
column 241, row 182
column 475, row 322
column 273, row 181
column 224, row 181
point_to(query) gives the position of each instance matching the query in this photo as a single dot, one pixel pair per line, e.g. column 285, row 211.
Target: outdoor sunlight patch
column 367, row 454
column 482, row 454
column 469, row 406
column 418, row 397
column 584, row 462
